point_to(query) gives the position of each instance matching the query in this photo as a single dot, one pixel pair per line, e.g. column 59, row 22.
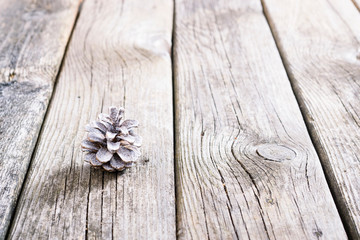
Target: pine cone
column 111, row 143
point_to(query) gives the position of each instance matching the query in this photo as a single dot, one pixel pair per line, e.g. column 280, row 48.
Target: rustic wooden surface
column 33, row 37
column 246, row 167
column 119, row 55
column 320, row 41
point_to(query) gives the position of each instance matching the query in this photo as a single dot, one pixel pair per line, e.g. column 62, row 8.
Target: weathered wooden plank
column 119, row 55
column 319, row 41
column 246, row 167
column 33, row 37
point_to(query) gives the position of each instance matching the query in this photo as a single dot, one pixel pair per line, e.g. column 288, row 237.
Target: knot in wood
column 275, row 152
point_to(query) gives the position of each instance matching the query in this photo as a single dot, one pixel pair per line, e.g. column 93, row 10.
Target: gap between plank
column 356, row 5
column 42, row 124
column 340, row 205
column 174, row 114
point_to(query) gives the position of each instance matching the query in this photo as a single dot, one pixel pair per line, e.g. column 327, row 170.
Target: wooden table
column 249, row 112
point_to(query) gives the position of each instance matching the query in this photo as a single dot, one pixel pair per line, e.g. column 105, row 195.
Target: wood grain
column 357, row 3
column 246, row 167
column 119, row 55
column 33, row 37
column 320, row 42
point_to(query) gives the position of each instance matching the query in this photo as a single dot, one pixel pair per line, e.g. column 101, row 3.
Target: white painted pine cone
column 111, row 143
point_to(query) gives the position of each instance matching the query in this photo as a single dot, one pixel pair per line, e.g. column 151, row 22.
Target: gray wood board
column 245, row 165
column 33, row 37
column 319, row 41
column 119, row 55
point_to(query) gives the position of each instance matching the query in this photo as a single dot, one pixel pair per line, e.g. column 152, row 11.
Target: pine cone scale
column 89, row 146
column 108, row 167
column 116, row 163
column 110, row 135
column 127, row 155
column 88, row 157
column 100, row 126
column 92, row 160
column 138, row 141
column 113, row 146
column 128, row 138
column 113, row 113
column 96, row 136
column 124, row 130
column 103, row 155
column 129, row 124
